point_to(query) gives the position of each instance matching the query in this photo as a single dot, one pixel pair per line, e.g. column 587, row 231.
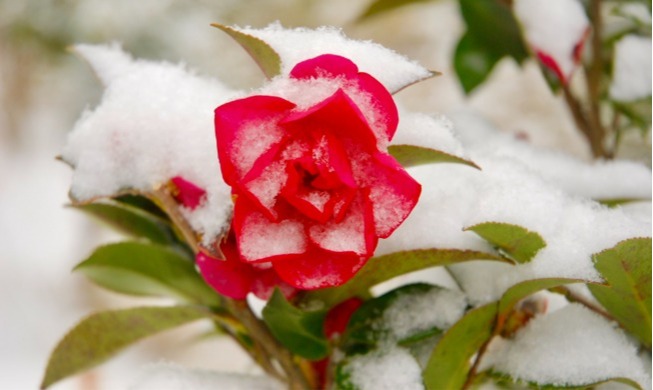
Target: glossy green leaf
column 131, row 221
column 381, row 6
column 448, row 365
column 102, row 335
column 143, row 203
column 627, row 269
column 382, row 268
column 410, row 156
column 145, row 269
column 262, row 53
column 302, row 332
column 515, row 242
column 492, row 33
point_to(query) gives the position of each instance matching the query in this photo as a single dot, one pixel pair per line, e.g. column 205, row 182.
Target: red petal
column 319, row 269
column 228, row 277
column 326, row 65
column 187, row 193
column 266, row 281
column 338, row 317
column 551, row 63
column 245, row 129
column 393, row 193
column 383, row 103
column 260, row 239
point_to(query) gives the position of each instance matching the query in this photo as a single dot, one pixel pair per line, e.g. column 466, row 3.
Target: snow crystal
column 252, row 141
column 347, row 235
column 295, row 45
column 386, row 369
column 168, row 376
column 571, row 347
column 413, row 313
column 554, row 27
column 428, row 131
column 267, row 186
column 631, row 75
column 155, row 121
column 261, row 238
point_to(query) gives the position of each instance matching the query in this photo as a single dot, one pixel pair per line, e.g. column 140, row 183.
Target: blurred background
column 44, row 88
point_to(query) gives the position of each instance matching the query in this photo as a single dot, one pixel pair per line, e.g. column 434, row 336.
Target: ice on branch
column 393, row 70
column 569, row 347
column 155, row 122
column 631, row 75
column 556, row 30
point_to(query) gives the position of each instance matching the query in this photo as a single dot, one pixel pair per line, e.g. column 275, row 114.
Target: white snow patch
column 155, row 121
column 631, row 75
column 261, row 238
column 570, row 347
column 296, row 45
column 386, row 369
column 169, row 376
column 428, row 131
column 553, row 27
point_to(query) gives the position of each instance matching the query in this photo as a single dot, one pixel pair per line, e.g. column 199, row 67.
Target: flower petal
column 245, row 130
column 187, row 193
column 228, row 277
column 383, row 104
column 326, row 65
column 260, row 239
column 319, row 269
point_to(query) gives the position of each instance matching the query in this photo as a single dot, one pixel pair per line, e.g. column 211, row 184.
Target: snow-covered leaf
column 132, row 221
column 448, row 365
column 382, row 268
column 300, row 331
column 102, row 335
column 627, row 268
column 411, row 155
column 138, row 268
column 516, row 242
column 264, row 55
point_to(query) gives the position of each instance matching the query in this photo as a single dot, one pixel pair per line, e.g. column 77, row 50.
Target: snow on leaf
column 516, row 242
column 264, row 55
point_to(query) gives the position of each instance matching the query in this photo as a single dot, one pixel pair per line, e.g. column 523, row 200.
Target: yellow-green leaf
column 262, row 53
column 102, row 335
column 627, row 269
column 411, row 155
column 380, row 6
column 516, row 242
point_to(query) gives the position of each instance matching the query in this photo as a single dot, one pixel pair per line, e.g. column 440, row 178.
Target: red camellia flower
column 314, row 187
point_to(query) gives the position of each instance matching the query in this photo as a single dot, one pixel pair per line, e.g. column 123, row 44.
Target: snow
column 394, row 71
column 553, row 27
column 169, row 376
column 428, row 131
column 631, row 75
column 261, row 238
column 387, row 369
column 154, row 122
column 561, row 349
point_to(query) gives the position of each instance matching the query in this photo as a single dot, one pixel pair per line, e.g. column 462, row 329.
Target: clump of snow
column 260, row 238
column 631, row 74
column 571, row 347
column 169, row 376
column 155, row 122
column 385, row 369
column 429, row 131
column 410, row 314
column 553, row 27
column 295, row 45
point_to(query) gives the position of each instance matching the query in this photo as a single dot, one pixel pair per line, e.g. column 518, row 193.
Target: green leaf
column 382, row 268
column 145, row 269
column 516, row 242
column 302, row 332
column 504, row 380
column 448, row 365
column 627, row 268
column 102, row 335
column 615, row 202
column 131, row 221
column 142, row 202
column 380, row 6
column 473, row 62
column 492, row 33
column 410, row 156
column 262, row 53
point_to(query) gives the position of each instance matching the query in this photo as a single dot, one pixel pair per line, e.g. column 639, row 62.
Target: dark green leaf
column 382, row 268
column 627, row 268
column 380, row 6
column 102, row 335
column 264, row 55
column 473, row 62
column 448, row 366
column 516, row 242
column 143, row 203
column 410, row 155
column 146, row 269
column 132, row 221
column 302, row 332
